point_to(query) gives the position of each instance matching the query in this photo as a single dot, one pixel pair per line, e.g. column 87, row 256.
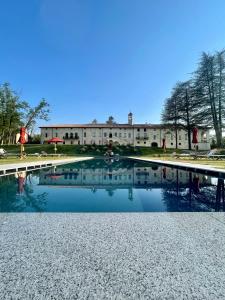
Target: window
column 66, row 135
column 46, row 135
column 154, row 137
column 144, row 142
column 93, row 133
column 138, row 129
column 85, row 134
column 180, row 144
column 120, row 134
column 84, row 142
column 145, row 129
column 138, row 142
column 71, row 135
column 125, row 134
column 129, row 135
column 105, row 134
column 115, row 134
column 179, row 137
column 171, row 144
column 110, row 135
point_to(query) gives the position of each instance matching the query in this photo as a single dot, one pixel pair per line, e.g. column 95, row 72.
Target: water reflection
column 17, row 193
column 120, row 186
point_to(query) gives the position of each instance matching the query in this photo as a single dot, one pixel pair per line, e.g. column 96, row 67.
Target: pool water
column 106, row 186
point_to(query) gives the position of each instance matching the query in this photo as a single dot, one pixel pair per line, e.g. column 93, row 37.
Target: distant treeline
column 201, row 99
column 15, row 113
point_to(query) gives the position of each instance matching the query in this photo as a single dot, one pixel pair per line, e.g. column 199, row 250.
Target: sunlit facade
column 146, row 135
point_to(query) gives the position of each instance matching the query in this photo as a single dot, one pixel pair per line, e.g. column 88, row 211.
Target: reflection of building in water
column 150, row 176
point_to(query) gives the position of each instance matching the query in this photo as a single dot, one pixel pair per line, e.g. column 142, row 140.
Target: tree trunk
column 188, row 119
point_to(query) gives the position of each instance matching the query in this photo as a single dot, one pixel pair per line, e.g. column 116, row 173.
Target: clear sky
column 95, row 58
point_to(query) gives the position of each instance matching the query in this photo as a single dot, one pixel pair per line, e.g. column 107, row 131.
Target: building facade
column 148, row 135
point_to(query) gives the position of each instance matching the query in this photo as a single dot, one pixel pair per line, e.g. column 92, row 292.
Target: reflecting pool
column 106, row 186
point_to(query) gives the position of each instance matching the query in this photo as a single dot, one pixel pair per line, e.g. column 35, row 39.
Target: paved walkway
column 25, row 166
column 112, row 256
column 194, row 166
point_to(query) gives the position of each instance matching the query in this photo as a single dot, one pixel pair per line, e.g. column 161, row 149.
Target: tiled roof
column 104, row 125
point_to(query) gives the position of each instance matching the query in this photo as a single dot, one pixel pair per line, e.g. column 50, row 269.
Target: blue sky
column 95, row 58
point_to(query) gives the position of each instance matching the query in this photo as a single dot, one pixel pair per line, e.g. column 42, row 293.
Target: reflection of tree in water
column 100, row 164
column 12, row 201
column 194, row 197
column 110, row 192
column 220, row 201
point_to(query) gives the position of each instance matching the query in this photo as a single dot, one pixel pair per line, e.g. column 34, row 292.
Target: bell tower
column 130, row 118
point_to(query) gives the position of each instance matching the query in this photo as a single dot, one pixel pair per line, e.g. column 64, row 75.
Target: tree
column 170, row 114
column 110, row 120
column 210, row 79
column 35, row 139
column 10, row 114
column 200, row 100
column 15, row 113
column 39, row 112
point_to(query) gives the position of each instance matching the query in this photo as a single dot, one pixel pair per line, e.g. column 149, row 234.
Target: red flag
column 23, row 134
column 195, row 136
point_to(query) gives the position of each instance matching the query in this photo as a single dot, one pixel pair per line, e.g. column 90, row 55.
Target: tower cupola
column 130, row 118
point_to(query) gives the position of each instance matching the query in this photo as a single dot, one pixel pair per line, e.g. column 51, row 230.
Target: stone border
column 7, row 169
column 185, row 166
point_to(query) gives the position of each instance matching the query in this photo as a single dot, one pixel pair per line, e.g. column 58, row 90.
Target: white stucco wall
column 134, row 136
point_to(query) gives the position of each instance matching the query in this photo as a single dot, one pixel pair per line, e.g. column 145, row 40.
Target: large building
column 149, row 135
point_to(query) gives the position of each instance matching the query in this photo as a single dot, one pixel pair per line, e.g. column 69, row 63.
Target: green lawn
column 85, row 150
column 93, row 150
column 14, row 160
column 209, row 162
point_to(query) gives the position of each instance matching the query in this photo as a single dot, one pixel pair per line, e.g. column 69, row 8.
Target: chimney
column 130, row 118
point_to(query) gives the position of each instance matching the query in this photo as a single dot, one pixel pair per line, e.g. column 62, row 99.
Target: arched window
column 154, row 145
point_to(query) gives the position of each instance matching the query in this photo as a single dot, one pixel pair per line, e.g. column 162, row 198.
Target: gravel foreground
column 112, row 256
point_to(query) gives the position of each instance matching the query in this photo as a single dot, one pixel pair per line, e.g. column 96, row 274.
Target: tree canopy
column 15, row 113
column 201, row 99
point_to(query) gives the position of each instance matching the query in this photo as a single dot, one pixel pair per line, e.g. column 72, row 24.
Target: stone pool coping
column 184, row 165
column 7, row 169
column 112, row 256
